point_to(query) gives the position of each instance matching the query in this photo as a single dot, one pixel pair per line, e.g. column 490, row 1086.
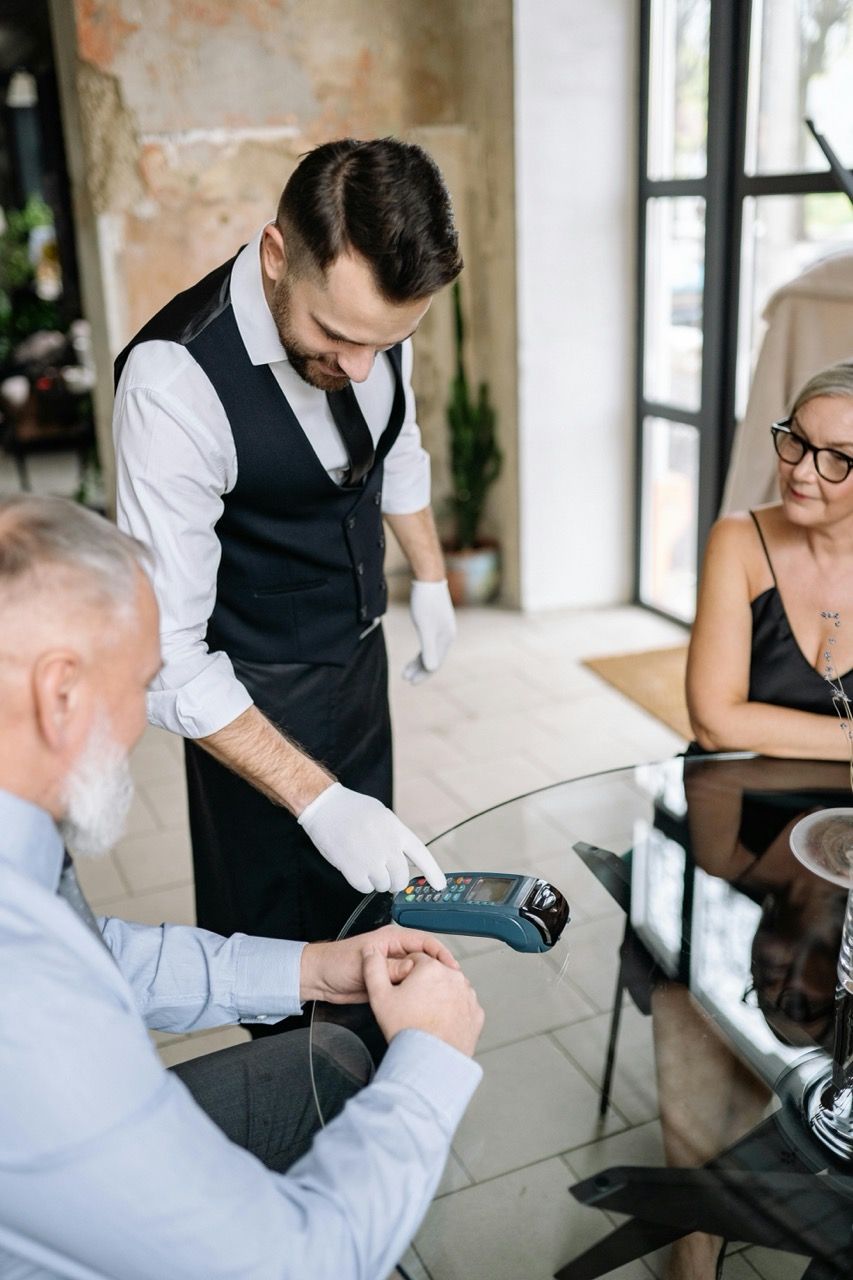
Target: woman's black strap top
column 779, row 671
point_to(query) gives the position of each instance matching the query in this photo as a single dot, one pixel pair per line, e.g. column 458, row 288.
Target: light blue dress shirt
column 108, row 1168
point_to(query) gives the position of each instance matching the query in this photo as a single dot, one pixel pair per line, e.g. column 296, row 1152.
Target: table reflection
column 731, row 946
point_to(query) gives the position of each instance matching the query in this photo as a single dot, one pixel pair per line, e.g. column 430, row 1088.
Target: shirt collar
column 251, row 309
column 30, row 841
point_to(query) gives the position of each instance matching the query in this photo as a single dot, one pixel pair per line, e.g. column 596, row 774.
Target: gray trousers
column 261, row 1094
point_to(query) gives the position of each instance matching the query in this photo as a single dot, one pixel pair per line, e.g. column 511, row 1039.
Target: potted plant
column 475, row 464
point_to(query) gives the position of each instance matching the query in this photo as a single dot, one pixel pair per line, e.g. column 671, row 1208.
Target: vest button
column 362, row 614
column 377, row 498
column 351, row 522
column 381, row 543
column 359, row 568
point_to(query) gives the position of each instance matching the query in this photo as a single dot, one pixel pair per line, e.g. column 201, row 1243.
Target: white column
column 576, row 131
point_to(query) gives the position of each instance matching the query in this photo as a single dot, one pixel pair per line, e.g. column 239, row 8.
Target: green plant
column 22, row 312
column 475, row 458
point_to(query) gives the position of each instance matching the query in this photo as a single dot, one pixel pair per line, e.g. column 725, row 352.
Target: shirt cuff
column 207, row 702
column 408, row 490
column 267, row 979
column 442, row 1075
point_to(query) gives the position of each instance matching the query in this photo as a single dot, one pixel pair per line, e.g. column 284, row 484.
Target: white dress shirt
column 109, row 1168
column 175, row 460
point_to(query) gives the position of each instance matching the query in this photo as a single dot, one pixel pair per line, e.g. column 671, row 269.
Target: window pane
column 678, row 88
column 675, row 273
column 669, row 506
column 782, row 235
column 801, row 64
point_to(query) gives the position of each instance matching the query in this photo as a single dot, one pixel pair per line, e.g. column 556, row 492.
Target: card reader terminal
column 527, row 913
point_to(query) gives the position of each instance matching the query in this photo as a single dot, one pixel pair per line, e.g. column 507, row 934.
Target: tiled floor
column 513, row 710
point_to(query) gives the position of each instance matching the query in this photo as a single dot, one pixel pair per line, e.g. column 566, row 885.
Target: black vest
column 302, row 558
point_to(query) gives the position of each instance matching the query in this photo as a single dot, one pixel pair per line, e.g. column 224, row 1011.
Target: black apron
column 300, row 579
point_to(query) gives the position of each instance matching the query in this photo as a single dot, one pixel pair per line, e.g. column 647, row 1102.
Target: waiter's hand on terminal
column 367, row 843
column 435, row 623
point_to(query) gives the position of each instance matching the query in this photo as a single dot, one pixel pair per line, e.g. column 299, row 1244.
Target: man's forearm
column 255, row 749
column 418, row 539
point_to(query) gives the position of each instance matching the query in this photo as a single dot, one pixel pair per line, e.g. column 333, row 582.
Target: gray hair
column 836, row 381
column 39, row 534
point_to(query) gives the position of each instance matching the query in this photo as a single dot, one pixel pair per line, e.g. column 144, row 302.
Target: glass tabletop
column 656, row 1061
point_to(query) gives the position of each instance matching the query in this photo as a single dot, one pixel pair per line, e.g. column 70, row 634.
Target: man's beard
column 98, row 795
column 305, row 363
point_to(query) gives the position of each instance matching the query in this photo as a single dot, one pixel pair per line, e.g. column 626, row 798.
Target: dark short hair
column 383, row 199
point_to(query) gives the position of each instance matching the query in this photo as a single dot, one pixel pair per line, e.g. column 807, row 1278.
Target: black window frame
column 724, row 188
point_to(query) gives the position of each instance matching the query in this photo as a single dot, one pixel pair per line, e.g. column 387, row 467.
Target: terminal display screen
column 492, row 888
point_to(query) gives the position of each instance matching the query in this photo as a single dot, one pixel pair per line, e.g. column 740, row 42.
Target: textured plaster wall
column 194, row 114
column 191, row 115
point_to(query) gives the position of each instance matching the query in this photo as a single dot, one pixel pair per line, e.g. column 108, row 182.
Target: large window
column 735, row 199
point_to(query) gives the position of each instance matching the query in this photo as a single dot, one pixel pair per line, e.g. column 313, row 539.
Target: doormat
column 654, row 679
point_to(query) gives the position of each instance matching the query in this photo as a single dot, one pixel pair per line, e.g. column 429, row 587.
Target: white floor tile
column 141, row 817
column 165, row 906
column 773, row 1265
column 522, row 1226
column 167, row 800
column 154, row 759
column 522, row 995
column 642, row 1145
column 509, row 838
column 156, row 859
column 100, row 878
column 482, row 784
column 546, row 1106
column 454, row 1177
column 497, row 694
column 423, row 706
column 414, row 1268
column 634, row 1088
column 426, row 806
column 203, row 1042
column 594, row 958
column 490, row 737
column 737, row 1267
column 422, row 750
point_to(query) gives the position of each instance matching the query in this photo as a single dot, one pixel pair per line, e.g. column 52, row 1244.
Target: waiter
column 264, row 424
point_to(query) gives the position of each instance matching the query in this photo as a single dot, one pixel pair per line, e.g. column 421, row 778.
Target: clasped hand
column 410, row 979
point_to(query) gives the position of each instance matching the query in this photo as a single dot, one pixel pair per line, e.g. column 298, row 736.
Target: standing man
column 264, row 424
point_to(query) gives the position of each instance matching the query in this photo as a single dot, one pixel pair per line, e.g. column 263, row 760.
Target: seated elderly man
column 111, row 1166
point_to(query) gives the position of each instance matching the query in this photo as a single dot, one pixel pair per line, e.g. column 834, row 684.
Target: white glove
column 435, row 622
column 365, row 841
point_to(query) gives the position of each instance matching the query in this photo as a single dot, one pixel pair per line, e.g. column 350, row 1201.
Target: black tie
column 355, row 434
column 69, row 889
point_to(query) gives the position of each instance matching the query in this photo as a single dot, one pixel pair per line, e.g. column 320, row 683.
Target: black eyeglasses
column 830, row 465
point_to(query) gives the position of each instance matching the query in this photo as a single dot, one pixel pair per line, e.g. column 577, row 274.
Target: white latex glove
column 435, row 622
column 365, row 841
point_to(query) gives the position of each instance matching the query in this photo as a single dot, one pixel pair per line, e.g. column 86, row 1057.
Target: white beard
column 98, row 795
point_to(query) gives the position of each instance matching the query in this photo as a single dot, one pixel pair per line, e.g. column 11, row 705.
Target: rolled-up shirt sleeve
column 173, row 466
column 406, row 482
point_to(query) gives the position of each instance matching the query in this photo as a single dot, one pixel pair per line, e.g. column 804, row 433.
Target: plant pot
column 473, row 574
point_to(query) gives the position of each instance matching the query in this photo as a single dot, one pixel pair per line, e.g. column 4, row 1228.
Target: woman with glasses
column 774, row 619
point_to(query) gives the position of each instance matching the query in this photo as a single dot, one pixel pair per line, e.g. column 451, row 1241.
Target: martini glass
column 823, row 842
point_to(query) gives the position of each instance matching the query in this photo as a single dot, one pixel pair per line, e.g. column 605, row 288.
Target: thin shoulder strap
column 764, row 545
